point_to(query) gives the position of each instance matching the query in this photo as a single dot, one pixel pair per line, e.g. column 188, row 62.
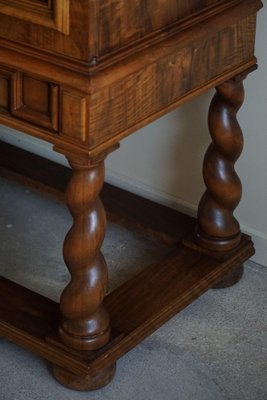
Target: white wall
column 163, row 161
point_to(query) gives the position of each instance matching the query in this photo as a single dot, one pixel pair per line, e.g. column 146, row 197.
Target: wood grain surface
column 83, row 78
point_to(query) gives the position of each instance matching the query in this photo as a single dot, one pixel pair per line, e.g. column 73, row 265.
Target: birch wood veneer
column 83, row 75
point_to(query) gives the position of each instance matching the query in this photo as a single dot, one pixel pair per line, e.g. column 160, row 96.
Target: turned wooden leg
column 217, row 227
column 84, row 320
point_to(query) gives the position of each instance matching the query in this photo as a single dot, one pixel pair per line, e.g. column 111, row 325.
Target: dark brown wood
column 80, row 76
column 218, row 229
column 137, row 308
column 230, row 279
column 89, row 382
column 145, row 80
column 48, row 13
column 85, row 322
column 107, row 26
column 154, row 220
column 135, row 19
column 158, row 75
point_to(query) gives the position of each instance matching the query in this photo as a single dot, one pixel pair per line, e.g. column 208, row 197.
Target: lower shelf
column 137, row 308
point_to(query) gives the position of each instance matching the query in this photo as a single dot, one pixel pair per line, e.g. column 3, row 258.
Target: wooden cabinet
column 54, row 14
column 112, row 67
column 84, row 74
column 121, row 23
column 90, row 29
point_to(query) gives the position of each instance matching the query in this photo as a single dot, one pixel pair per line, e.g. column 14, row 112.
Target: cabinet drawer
column 36, row 101
column 58, row 110
column 29, row 98
column 49, row 13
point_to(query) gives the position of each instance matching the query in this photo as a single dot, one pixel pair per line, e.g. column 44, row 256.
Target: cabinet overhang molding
column 54, row 14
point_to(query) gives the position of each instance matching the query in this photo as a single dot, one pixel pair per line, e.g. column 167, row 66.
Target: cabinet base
column 137, row 308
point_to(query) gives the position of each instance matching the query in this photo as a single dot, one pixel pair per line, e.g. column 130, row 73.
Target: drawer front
column 36, row 101
column 59, row 111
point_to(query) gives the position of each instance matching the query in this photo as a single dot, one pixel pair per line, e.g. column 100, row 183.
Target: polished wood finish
column 146, row 80
column 89, row 382
column 151, row 86
column 85, row 322
column 49, row 13
column 79, row 75
column 218, row 229
column 136, row 308
column 230, row 279
column 106, row 26
column 131, row 21
column 35, row 101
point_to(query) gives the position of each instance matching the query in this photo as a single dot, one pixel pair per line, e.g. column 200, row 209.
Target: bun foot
column 84, row 383
column 230, row 279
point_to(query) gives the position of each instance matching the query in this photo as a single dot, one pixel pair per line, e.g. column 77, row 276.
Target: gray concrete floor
column 214, row 350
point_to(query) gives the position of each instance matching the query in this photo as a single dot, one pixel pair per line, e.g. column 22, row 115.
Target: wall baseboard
column 44, row 150
column 135, row 213
column 148, row 192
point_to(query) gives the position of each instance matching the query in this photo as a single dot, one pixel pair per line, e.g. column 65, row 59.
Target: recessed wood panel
column 73, row 116
column 6, row 83
column 36, row 95
column 38, row 25
column 4, row 92
column 36, row 101
column 49, row 13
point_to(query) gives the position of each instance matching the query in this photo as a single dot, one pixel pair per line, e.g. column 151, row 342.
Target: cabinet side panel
column 127, row 102
column 122, row 22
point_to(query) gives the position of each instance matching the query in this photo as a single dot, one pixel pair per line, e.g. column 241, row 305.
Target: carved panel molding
column 36, row 101
column 55, row 109
column 53, row 14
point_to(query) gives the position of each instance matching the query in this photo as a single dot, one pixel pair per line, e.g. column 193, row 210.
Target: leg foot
column 230, row 279
column 84, row 383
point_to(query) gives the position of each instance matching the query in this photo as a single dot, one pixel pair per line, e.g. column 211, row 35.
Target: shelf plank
column 137, row 308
